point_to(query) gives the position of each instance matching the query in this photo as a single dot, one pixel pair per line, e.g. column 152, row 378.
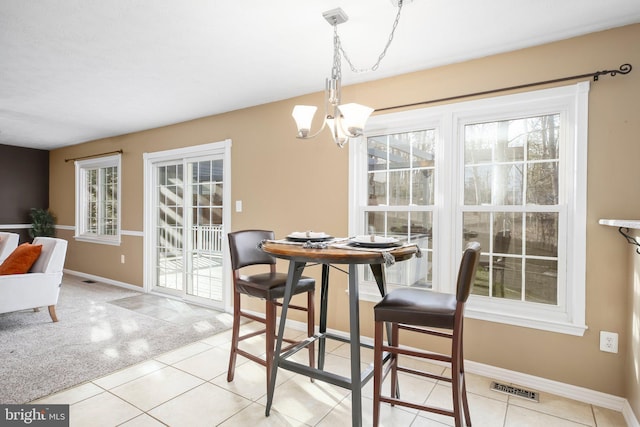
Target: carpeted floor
column 101, row 329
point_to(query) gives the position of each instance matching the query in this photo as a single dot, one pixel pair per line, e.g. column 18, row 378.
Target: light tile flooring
column 188, row 387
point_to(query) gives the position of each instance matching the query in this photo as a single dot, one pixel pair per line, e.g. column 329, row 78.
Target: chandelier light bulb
column 354, row 118
column 303, row 115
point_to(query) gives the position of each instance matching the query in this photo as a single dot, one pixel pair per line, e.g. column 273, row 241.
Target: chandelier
column 345, row 121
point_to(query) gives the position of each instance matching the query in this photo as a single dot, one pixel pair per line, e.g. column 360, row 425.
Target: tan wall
column 287, row 185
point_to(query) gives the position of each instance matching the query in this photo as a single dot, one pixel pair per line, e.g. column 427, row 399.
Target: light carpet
column 101, row 329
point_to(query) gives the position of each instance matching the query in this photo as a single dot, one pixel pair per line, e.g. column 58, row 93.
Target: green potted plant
column 42, row 223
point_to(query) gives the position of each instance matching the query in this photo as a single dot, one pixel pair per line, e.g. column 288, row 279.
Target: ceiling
column 77, row 70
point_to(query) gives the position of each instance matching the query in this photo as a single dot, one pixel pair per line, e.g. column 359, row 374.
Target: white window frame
column 150, row 242
column 82, row 167
column 571, row 102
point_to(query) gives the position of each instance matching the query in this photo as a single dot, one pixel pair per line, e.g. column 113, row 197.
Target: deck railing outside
column 207, row 238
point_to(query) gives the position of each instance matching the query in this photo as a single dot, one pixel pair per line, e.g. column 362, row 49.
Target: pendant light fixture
column 344, row 121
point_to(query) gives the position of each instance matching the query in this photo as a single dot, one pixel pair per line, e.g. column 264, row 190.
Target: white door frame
column 150, row 159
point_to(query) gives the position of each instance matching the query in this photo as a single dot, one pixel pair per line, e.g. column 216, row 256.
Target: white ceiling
column 77, row 70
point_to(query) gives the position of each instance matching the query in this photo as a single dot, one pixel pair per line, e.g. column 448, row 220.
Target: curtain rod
column 624, row 69
column 94, row 155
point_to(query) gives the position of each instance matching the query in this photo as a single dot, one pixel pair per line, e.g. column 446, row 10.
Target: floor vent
column 88, row 281
column 515, row 391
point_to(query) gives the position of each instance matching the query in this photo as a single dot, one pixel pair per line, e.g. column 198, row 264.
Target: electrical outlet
column 608, row 342
column 122, row 258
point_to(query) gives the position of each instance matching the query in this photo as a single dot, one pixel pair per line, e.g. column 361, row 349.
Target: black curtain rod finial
column 624, row 69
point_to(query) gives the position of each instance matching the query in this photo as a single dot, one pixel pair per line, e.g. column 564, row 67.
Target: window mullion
column 100, row 201
column 84, row 200
column 523, row 257
column 525, row 192
column 447, row 212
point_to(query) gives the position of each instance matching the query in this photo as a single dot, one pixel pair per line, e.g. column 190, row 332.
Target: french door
column 186, row 221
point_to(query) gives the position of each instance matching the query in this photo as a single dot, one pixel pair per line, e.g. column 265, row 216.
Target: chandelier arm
column 382, row 54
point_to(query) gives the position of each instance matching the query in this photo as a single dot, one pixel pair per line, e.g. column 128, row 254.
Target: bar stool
column 269, row 286
column 432, row 313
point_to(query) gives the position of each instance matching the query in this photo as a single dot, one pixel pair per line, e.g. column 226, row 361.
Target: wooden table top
column 332, row 255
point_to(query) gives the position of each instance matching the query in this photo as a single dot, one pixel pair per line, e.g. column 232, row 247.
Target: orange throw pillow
column 21, row 259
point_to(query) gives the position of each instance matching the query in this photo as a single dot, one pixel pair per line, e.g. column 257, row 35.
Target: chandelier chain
column 375, row 66
column 336, row 71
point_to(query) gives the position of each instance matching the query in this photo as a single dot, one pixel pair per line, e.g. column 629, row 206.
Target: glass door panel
column 169, row 227
column 189, row 228
column 204, row 255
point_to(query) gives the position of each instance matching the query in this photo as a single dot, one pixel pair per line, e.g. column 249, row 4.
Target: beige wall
column 286, row 184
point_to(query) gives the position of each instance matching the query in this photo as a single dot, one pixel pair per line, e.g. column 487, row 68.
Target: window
column 400, row 177
column 509, row 172
column 511, row 204
column 98, row 200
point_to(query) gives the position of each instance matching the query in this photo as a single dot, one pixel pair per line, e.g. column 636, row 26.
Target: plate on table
column 376, row 242
column 309, row 236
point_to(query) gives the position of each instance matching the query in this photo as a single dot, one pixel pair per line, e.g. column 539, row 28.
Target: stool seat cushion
column 417, row 307
column 271, row 285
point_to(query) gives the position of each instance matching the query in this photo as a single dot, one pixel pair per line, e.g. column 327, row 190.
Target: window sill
column 368, row 294
column 115, row 241
column 558, row 326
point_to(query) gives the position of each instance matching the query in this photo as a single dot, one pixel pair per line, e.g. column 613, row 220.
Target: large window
column 508, row 172
column 98, row 200
column 511, row 205
column 400, row 198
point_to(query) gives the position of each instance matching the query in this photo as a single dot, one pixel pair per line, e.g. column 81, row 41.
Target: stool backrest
column 244, row 251
column 467, row 272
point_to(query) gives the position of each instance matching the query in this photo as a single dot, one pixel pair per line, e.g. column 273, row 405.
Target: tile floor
column 188, row 387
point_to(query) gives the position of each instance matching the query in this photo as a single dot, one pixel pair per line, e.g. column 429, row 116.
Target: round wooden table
column 333, row 255
column 299, row 257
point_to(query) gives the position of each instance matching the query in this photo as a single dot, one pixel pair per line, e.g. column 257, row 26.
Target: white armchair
column 41, row 285
column 8, row 242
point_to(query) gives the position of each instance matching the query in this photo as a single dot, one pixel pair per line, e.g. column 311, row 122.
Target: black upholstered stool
column 432, row 313
column 243, row 246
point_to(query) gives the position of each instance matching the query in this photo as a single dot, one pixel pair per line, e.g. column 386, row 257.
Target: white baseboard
column 569, row 391
column 139, row 289
column 104, row 280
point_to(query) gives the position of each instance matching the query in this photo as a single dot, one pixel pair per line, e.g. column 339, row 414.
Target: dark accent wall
column 24, row 184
